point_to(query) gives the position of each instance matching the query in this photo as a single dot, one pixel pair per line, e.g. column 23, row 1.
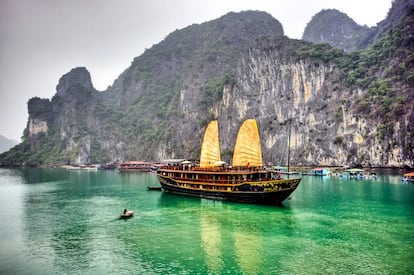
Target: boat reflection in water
column 242, row 244
column 245, row 181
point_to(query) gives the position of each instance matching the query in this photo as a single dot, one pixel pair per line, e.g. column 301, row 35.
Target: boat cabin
column 320, row 172
column 354, row 173
column 135, row 166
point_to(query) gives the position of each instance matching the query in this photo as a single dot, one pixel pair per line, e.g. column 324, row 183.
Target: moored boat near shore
column 154, row 188
column 245, row 181
column 320, row 171
column 135, row 166
column 108, row 166
column 354, row 173
column 82, row 167
column 408, row 177
column 90, row 167
column 284, row 170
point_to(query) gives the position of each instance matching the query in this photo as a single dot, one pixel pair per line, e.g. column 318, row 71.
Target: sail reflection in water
column 247, row 249
column 241, row 247
column 211, row 242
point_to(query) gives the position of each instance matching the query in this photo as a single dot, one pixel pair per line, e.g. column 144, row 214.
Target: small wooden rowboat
column 126, row 215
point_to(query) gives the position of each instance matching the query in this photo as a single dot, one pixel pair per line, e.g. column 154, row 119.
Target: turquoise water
column 65, row 222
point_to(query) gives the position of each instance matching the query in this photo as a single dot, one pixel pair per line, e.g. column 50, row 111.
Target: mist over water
column 58, row 221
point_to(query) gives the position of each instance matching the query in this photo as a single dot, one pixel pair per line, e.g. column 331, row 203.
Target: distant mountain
column 6, row 144
column 345, row 107
column 339, row 30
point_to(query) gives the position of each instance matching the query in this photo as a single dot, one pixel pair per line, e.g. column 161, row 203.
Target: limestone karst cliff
column 343, row 108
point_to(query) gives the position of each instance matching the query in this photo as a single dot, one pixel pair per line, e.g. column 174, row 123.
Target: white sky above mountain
column 43, row 39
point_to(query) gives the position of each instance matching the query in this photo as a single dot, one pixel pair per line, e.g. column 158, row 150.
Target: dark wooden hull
column 245, row 193
column 154, row 188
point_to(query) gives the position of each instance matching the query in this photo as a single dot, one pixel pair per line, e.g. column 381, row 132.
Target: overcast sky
column 40, row 40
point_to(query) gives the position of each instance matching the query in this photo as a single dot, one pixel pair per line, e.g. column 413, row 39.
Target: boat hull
column 154, row 188
column 247, row 193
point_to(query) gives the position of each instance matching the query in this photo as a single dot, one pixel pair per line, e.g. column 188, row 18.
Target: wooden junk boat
column 245, row 181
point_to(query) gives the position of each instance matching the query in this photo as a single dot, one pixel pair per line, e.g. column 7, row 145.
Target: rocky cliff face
column 327, row 126
column 66, row 127
column 399, row 9
column 342, row 109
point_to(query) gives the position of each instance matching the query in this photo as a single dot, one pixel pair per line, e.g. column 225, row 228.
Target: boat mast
column 290, row 121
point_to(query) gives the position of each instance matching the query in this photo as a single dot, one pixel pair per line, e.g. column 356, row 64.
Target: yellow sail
column 247, row 151
column 210, row 149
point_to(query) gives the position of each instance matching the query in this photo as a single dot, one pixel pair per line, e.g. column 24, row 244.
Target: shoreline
column 301, row 169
